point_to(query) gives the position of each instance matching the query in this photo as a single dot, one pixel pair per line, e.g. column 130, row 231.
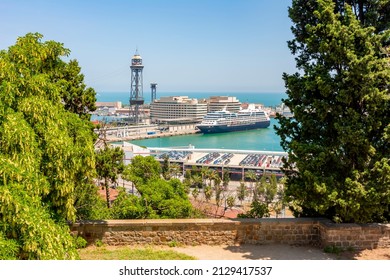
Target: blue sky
column 186, row 45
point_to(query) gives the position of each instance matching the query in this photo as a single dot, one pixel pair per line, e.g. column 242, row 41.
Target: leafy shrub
column 9, row 248
column 99, row 243
column 80, row 242
column 258, row 210
column 333, row 249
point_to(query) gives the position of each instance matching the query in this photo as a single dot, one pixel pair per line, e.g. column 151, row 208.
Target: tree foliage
column 338, row 140
column 266, row 189
column 264, row 197
column 158, row 198
column 258, row 210
column 165, row 166
column 46, row 148
column 142, row 169
column 109, row 164
column 242, row 192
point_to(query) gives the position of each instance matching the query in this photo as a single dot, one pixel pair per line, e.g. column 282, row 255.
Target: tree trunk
column 107, row 193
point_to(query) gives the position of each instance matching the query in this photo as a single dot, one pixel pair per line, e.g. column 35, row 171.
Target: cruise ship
column 225, row 121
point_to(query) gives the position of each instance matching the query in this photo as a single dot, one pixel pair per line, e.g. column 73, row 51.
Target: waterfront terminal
column 237, row 162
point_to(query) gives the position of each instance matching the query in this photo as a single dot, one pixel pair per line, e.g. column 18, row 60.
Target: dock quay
column 128, row 133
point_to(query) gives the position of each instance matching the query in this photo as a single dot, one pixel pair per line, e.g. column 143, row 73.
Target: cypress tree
column 338, row 140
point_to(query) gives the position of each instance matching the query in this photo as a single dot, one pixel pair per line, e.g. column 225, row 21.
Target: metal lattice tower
column 136, row 91
column 153, row 90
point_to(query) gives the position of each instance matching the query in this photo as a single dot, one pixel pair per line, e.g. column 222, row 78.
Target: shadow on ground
column 279, row 252
column 257, row 252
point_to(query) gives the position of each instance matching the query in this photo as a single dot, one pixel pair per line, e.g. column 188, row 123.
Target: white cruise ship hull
column 219, row 128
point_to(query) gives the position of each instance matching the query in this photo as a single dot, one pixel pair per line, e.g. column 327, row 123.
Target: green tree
column 280, row 200
column 77, row 98
column 9, row 248
column 196, row 181
column 165, row 199
column 142, row 169
column 258, row 210
column 267, row 189
column 158, row 197
column 128, row 206
column 109, row 164
column 174, row 170
column 165, row 166
column 219, row 195
column 205, row 173
column 374, row 13
column 242, row 192
column 208, row 192
column 187, row 174
column 87, row 201
column 46, row 150
column 225, row 177
column 230, row 201
column 251, row 175
column 195, row 193
column 216, row 179
column 338, row 141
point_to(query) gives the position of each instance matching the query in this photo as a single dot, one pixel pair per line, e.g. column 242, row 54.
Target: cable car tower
column 136, row 91
column 153, row 92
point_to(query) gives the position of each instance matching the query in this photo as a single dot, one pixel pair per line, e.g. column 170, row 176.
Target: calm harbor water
column 259, row 139
column 264, row 139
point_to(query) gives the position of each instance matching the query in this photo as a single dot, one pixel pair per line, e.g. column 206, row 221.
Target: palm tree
column 225, row 177
column 241, row 192
column 196, row 181
column 208, row 192
column 212, row 175
column 216, row 179
column 251, row 175
column 174, row 169
column 195, row 193
column 204, row 171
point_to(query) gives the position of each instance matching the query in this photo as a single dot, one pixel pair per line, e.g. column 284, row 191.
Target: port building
column 110, row 105
column 177, row 110
column 219, row 103
column 237, row 162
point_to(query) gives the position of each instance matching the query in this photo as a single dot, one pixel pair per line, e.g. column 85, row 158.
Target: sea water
column 267, row 99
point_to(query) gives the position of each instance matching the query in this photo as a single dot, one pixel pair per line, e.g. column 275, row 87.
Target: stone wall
column 359, row 236
column 300, row 231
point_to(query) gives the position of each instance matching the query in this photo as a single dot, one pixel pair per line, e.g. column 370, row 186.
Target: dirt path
column 277, row 252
